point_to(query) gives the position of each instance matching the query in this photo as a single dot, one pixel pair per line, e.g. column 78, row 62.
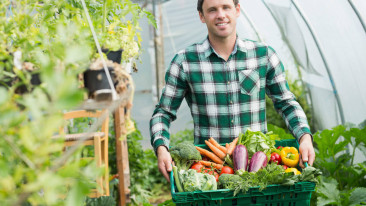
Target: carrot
column 232, row 146
column 209, row 164
column 227, row 146
column 210, row 155
column 215, row 150
column 216, row 144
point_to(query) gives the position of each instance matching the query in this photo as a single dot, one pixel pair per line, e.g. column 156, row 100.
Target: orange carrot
column 216, row 144
column 209, row 164
column 215, row 150
column 232, row 146
column 210, row 155
column 227, row 146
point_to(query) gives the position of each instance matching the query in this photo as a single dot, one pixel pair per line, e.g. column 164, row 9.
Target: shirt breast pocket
column 249, row 81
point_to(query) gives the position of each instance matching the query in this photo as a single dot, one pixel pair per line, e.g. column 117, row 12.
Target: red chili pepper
column 284, row 167
column 275, row 157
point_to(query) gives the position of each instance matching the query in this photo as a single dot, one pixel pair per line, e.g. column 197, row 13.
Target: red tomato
column 227, row 170
column 197, row 166
column 275, row 157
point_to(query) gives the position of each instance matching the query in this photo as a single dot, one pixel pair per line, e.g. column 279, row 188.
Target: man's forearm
column 159, row 129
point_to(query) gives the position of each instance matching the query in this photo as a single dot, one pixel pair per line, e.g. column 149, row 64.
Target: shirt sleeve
column 283, row 99
column 172, row 96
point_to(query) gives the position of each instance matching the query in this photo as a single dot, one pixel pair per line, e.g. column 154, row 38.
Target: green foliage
column 117, row 24
column 167, row 203
column 101, row 201
column 55, row 38
column 280, row 132
column 256, row 141
column 344, row 181
column 271, row 174
column 144, row 172
column 186, row 135
column 33, row 169
column 297, row 89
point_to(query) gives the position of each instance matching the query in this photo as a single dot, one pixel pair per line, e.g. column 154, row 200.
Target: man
column 224, row 81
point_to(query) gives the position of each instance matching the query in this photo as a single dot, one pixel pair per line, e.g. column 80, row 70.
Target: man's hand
column 306, row 149
column 164, row 161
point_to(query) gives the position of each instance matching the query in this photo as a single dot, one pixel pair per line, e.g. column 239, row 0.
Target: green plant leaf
column 3, row 95
column 282, row 134
column 328, row 193
column 76, row 194
column 341, row 146
column 362, row 149
column 358, row 196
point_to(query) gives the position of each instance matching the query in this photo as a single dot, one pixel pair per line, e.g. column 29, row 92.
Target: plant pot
column 115, row 56
column 35, row 80
column 97, row 80
column 6, row 82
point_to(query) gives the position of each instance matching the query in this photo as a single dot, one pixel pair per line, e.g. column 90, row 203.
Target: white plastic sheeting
column 325, row 38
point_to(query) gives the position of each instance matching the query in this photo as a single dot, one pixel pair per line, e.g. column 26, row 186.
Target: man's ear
column 202, row 17
column 237, row 10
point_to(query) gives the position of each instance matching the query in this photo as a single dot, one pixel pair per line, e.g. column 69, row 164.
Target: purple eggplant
column 240, row 157
column 258, row 161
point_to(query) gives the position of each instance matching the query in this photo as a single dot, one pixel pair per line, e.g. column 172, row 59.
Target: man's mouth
column 222, row 24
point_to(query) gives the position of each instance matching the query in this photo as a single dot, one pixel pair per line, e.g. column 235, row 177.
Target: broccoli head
column 229, row 181
column 183, row 154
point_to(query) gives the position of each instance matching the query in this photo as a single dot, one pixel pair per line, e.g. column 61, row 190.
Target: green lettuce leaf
column 257, row 141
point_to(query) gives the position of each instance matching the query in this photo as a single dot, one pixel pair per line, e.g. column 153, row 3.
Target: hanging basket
column 35, row 81
column 95, row 80
column 13, row 79
column 115, row 56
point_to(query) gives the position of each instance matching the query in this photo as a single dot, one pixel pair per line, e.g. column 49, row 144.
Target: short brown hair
column 200, row 3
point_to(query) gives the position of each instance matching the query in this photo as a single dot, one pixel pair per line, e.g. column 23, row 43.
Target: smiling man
column 224, row 80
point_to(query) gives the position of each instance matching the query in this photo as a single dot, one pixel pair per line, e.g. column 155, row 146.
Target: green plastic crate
column 273, row 195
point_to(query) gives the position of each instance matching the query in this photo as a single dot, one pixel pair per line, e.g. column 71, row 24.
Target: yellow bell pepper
column 290, row 156
column 294, row 170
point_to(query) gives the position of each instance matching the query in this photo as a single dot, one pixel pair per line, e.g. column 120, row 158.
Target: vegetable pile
column 251, row 160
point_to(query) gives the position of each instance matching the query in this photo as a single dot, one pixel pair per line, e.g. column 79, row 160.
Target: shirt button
column 232, row 121
column 228, row 82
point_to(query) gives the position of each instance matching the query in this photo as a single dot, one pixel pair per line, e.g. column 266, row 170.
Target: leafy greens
column 257, row 141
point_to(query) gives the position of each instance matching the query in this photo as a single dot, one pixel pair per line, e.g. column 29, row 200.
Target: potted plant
column 18, row 36
column 119, row 37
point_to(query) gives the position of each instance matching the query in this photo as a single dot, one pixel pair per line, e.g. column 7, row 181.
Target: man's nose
column 220, row 14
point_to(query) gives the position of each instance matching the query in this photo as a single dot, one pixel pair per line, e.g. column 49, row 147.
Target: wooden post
column 122, row 155
column 159, row 50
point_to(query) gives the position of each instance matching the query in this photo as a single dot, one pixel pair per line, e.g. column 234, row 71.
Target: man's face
column 220, row 18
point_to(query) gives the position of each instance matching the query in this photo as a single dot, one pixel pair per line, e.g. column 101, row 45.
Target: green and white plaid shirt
column 225, row 97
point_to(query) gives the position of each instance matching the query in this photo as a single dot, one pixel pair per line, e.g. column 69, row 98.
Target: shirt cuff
column 160, row 142
column 301, row 132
